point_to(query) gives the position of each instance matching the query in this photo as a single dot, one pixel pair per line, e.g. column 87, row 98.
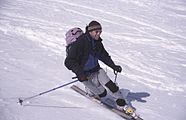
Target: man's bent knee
column 112, row 86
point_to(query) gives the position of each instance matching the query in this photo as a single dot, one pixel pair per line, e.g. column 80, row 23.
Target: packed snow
column 146, row 37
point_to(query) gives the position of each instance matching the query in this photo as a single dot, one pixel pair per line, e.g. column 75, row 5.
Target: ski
column 92, row 98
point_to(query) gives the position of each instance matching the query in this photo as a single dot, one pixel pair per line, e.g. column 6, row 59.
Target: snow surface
column 146, row 37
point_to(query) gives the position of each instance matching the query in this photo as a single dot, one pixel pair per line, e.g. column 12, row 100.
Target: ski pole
column 28, row 98
column 116, row 74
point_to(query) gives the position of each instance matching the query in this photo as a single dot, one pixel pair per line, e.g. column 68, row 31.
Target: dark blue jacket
column 83, row 55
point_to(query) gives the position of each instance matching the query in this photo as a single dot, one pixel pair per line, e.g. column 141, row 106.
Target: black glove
column 82, row 78
column 117, row 68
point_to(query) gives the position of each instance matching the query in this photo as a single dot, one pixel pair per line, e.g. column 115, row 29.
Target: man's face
column 95, row 34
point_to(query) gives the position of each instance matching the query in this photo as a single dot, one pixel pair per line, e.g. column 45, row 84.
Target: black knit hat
column 94, row 25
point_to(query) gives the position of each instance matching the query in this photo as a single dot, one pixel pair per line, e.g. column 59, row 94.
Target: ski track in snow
column 119, row 16
column 148, row 38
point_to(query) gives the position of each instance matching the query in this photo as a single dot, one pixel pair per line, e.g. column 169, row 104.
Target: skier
column 82, row 58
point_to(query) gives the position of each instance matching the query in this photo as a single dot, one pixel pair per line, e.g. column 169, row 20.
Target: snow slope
column 146, row 37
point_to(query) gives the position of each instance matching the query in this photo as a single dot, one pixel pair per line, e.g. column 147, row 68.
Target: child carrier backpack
column 71, row 36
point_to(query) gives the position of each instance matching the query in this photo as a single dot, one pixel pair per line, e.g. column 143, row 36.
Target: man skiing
column 82, row 59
